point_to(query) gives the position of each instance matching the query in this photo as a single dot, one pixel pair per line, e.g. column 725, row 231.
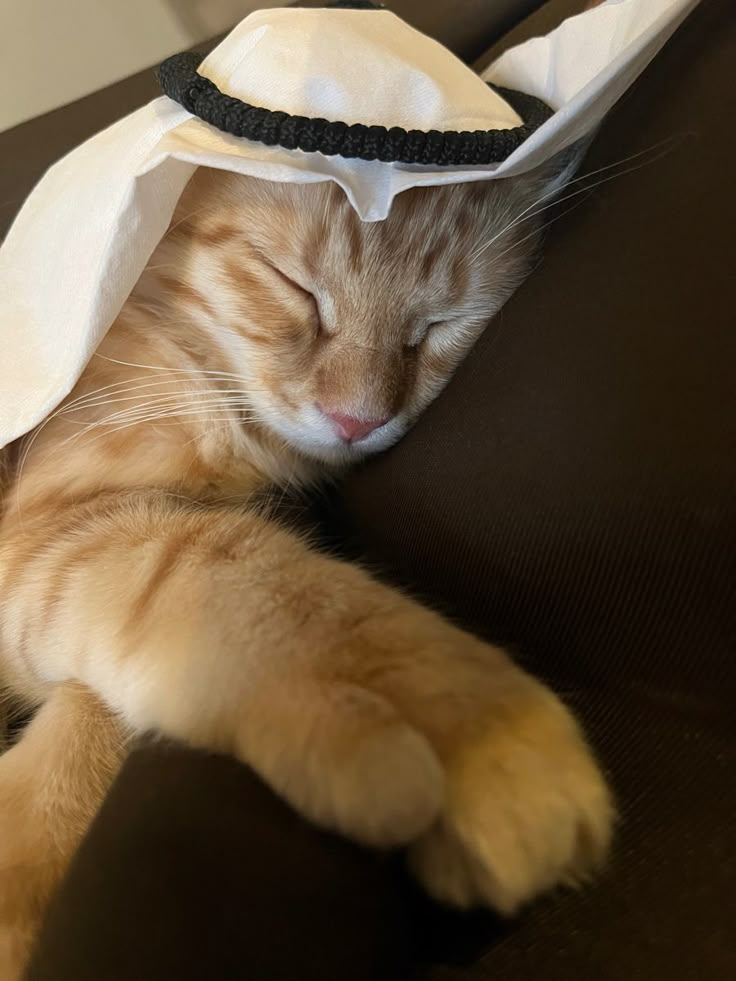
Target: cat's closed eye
column 298, row 290
column 290, row 282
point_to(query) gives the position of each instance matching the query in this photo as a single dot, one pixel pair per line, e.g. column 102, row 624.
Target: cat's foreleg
column 51, row 783
column 369, row 713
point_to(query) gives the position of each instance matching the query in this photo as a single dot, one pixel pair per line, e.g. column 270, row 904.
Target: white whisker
column 101, row 401
column 159, row 367
column 538, row 231
column 190, row 414
column 529, row 213
column 153, row 409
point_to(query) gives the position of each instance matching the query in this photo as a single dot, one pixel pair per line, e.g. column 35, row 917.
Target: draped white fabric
column 85, row 233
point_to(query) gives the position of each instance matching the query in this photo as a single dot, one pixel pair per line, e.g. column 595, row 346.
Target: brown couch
column 573, row 495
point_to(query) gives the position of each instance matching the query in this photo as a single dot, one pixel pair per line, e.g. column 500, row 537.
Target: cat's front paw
column 526, row 809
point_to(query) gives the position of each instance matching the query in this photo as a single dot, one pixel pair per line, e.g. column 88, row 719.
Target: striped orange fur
column 142, row 588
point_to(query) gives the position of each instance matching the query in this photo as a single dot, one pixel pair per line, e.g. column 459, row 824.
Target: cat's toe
column 526, row 810
column 383, row 792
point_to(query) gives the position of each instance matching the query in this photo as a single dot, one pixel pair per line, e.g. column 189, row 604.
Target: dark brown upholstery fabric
column 572, row 494
column 194, row 870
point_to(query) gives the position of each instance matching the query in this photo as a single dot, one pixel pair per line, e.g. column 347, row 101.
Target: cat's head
column 344, row 331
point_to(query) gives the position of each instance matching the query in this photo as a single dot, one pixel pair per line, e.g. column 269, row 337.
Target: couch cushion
column 573, row 494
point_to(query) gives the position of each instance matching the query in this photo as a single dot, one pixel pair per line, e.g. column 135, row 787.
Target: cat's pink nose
column 351, row 429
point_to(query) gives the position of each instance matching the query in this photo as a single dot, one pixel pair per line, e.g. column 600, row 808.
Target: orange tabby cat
column 273, row 339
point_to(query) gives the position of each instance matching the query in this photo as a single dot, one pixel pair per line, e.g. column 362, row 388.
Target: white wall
column 54, row 51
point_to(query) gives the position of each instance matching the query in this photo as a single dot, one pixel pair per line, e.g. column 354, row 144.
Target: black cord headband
column 180, row 80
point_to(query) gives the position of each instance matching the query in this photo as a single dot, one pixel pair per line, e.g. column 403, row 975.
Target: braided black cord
column 180, row 80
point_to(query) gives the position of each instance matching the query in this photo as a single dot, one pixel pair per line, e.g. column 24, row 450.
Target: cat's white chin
column 337, row 452
column 319, row 443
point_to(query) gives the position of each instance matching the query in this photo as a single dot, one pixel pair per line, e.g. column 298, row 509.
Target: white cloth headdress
column 85, row 233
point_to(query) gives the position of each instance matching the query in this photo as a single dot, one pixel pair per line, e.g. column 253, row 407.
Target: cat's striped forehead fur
column 328, row 317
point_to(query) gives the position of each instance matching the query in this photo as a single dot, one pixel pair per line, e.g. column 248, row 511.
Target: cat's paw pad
column 526, row 809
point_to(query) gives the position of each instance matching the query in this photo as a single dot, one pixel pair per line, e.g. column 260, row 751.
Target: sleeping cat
column 273, row 340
